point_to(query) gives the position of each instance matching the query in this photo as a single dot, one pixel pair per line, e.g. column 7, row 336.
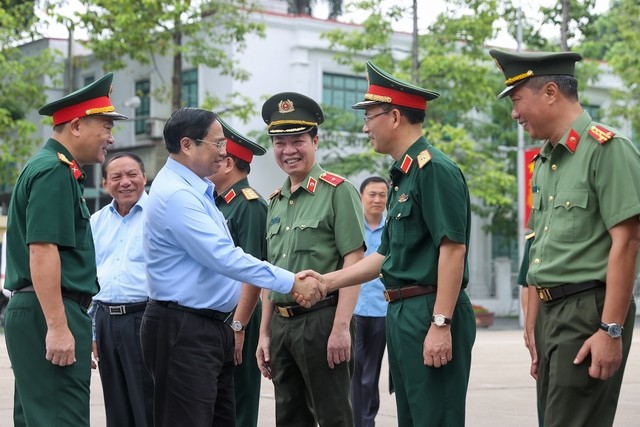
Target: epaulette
column 275, row 193
column 332, row 179
column 424, row 157
column 73, row 166
column 601, row 134
column 530, row 236
column 249, row 193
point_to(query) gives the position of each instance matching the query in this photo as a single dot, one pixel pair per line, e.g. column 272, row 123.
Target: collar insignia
column 406, row 163
column 572, row 141
column 311, row 185
column 230, row 196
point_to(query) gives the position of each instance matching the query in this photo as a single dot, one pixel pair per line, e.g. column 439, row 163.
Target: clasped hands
column 308, row 288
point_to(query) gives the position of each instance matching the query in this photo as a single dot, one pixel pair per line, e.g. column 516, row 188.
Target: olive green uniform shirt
column 581, row 188
column 47, row 206
column 314, row 227
column 425, row 205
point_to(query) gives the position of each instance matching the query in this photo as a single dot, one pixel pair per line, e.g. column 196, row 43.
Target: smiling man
column 51, row 263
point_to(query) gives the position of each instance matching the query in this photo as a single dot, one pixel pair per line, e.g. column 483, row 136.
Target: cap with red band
column 91, row 100
column 386, row 89
column 239, row 146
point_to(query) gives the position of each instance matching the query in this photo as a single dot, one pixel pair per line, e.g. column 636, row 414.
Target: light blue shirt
column 190, row 256
column 371, row 302
column 119, row 258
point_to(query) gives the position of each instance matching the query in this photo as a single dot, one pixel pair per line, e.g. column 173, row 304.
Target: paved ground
column 501, row 393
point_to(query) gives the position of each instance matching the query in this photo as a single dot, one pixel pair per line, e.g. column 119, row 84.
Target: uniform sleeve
column 252, row 232
column 524, row 265
column 349, row 219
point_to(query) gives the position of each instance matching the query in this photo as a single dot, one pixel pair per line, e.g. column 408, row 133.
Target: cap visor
column 113, row 115
column 289, row 131
column 364, row 104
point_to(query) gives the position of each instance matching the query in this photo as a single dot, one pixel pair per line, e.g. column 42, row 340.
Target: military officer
column 422, row 258
column 315, row 221
column 246, row 214
column 582, row 262
column 52, row 264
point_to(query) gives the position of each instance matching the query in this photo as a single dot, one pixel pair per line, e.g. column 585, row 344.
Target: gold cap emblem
column 285, row 106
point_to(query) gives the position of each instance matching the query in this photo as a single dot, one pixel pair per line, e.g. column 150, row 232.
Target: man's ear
column 186, row 144
column 551, row 90
column 74, row 126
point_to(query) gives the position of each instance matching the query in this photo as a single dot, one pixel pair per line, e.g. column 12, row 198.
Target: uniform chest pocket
column 305, row 234
column 402, row 225
column 84, row 238
column 571, row 216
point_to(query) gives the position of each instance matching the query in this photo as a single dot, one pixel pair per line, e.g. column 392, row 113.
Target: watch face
column 615, row 330
column 236, row 325
column 438, row 320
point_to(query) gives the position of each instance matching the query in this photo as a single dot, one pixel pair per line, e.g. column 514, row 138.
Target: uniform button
column 546, row 228
column 284, row 255
column 536, row 261
column 551, row 198
column 287, row 228
column 395, row 188
column 554, row 167
column 399, row 215
column 303, row 226
column 290, row 202
column 380, row 276
column 567, row 203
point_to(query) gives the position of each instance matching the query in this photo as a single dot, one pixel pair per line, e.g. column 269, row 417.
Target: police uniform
column 584, row 185
column 428, row 201
column 313, row 227
column 47, row 206
column 246, row 214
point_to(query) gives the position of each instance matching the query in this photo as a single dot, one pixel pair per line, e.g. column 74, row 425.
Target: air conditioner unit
column 154, row 128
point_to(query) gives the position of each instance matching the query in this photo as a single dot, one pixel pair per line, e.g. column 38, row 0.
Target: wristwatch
column 440, row 320
column 613, row 329
column 238, row 326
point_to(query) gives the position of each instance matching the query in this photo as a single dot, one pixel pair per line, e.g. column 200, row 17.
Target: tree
column 21, row 91
column 183, row 30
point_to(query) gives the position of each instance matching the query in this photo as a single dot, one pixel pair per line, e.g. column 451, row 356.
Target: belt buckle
column 117, row 310
column 284, row 311
column 543, row 294
column 386, row 295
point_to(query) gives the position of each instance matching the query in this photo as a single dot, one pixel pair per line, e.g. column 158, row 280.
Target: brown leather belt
column 82, row 299
column 297, row 310
column 568, row 289
column 405, row 292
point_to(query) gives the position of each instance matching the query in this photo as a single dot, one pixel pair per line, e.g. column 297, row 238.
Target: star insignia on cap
column 285, row 106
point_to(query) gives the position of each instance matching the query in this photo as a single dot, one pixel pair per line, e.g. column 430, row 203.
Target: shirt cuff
column 284, row 280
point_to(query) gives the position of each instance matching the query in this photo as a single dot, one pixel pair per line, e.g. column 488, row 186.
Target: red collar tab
column 572, row 140
column 98, row 105
column 239, row 151
column 311, row 185
column 601, row 134
column 73, row 166
column 406, row 163
column 332, row 179
column 230, row 196
column 397, row 97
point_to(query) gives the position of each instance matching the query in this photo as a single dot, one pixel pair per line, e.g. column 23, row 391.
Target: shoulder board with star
column 73, row 166
column 332, row 179
column 249, row 193
column 275, row 193
column 530, row 236
column 601, row 134
column 423, row 158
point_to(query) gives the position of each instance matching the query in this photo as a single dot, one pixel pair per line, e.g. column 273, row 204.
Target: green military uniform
column 312, row 228
column 47, row 206
column 428, row 200
column 246, row 215
column 584, row 185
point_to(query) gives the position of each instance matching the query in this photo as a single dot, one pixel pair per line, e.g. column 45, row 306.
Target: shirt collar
column 577, row 128
column 407, row 161
column 313, row 176
column 140, row 204
column 201, row 185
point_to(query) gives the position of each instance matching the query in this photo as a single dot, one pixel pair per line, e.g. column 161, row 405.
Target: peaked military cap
column 517, row 67
column 291, row 113
column 91, row 100
column 386, row 89
column 238, row 145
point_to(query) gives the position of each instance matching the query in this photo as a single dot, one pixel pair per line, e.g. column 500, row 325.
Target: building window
column 594, row 111
column 143, row 88
column 341, row 92
column 88, row 80
column 190, row 88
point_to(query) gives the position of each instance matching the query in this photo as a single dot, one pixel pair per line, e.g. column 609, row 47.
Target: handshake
column 308, row 288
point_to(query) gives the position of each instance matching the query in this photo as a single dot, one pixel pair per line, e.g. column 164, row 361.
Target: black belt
column 126, row 308
column 297, row 310
column 82, row 299
column 203, row 312
column 568, row 289
column 405, row 292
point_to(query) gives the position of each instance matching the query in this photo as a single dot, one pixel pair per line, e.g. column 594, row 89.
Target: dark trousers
column 190, row 358
column 309, row 393
column 370, row 343
column 247, row 376
column 126, row 383
column 47, row 395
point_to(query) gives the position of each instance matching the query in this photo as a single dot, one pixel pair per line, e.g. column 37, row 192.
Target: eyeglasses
column 367, row 119
column 219, row 145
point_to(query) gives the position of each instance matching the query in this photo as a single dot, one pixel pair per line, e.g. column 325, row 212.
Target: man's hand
column 239, row 339
column 339, row 346
column 60, row 346
column 308, row 291
column 437, row 349
column 96, row 355
column 606, row 355
column 530, row 342
column 263, row 357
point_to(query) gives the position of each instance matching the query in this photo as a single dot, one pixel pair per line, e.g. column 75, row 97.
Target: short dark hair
column 568, row 85
column 241, row 165
column 120, row 155
column 370, row 180
column 412, row 115
column 193, row 123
